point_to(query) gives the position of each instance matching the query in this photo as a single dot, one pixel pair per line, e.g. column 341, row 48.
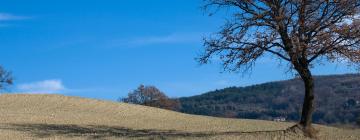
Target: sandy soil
column 61, row 117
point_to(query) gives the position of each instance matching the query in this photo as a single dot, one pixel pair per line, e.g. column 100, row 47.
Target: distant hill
column 337, row 100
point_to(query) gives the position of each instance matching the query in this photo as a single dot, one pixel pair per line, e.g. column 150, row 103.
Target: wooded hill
column 337, row 100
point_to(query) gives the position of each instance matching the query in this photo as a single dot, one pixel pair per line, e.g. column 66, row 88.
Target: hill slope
column 61, row 117
column 337, row 100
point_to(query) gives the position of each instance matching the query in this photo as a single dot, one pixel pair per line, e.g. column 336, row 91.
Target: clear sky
column 105, row 48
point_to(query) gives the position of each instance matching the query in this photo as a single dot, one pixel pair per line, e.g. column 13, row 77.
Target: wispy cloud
column 167, row 39
column 45, row 86
column 56, row 86
column 9, row 17
column 173, row 38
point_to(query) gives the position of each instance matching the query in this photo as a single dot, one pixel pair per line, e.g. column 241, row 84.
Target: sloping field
column 62, row 117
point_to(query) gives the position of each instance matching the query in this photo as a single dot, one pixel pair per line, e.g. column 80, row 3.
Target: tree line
column 339, row 103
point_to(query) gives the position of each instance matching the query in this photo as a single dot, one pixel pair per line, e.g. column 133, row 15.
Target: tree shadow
column 100, row 131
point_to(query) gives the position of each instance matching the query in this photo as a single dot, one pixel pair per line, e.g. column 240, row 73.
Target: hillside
column 62, row 117
column 337, row 100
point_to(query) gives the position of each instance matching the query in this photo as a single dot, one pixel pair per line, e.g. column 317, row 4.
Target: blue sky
column 104, row 49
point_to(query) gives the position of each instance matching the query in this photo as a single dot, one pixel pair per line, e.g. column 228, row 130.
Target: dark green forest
column 337, row 100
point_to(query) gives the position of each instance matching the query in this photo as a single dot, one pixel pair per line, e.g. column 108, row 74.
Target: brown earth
column 25, row 116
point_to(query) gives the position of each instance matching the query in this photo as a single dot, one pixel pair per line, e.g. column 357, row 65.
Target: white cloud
column 7, row 17
column 46, row 86
column 174, row 38
column 167, row 39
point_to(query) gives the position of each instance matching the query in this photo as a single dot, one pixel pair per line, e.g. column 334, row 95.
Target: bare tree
column 5, row 78
column 151, row 96
column 300, row 32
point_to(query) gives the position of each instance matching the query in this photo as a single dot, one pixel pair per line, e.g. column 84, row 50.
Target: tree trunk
column 308, row 105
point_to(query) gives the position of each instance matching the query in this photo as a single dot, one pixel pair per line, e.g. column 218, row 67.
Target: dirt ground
column 60, row 117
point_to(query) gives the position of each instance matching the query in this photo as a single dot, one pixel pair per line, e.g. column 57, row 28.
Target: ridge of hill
column 337, row 100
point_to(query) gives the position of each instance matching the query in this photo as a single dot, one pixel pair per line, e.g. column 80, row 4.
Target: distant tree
column 358, row 121
column 151, row 96
column 349, row 103
column 5, row 78
column 299, row 32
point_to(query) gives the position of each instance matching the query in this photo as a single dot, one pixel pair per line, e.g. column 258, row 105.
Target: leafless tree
column 300, row 32
column 5, row 78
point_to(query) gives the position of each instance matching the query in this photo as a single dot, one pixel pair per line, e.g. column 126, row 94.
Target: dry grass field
column 60, row 117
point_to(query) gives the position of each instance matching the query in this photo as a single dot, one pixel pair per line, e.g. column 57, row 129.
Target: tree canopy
column 297, row 31
column 151, row 96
